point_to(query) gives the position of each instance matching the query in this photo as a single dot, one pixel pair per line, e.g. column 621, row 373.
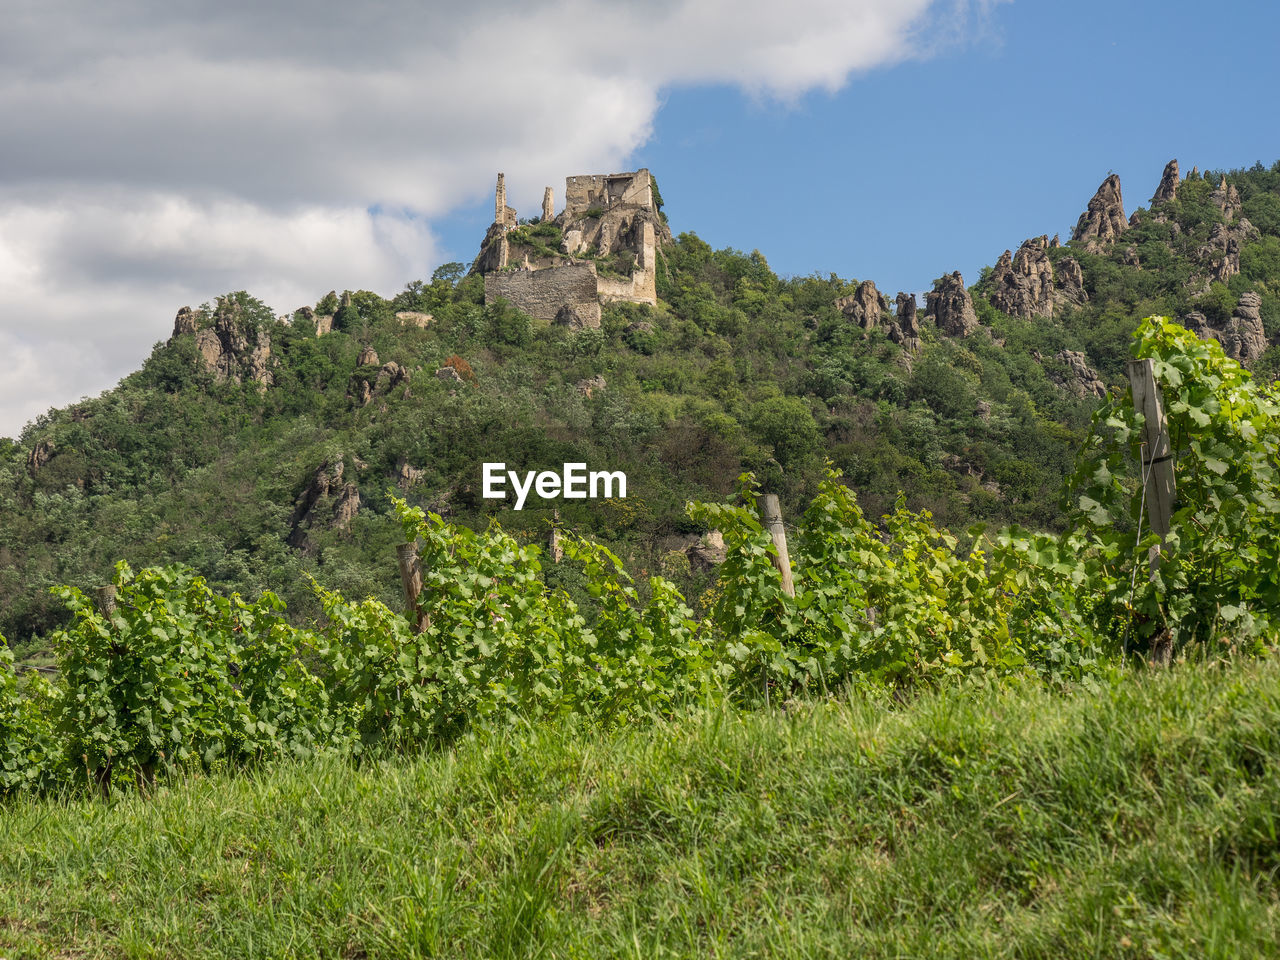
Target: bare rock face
column 1198, row 323
column 368, row 356
column 1069, row 290
column 231, row 347
column 348, row 505
column 1168, row 189
column 448, row 374
column 591, row 386
column 707, row 551
column 1220, row 255
column 407, row 475
column 1104, row 219
column 391, row 376
column 865, row 306
column 905, row 329
column 1081, row 379
column 1244, row 339
column 184, row 322
column 1130, row 256
column 1022, row 286
column 40, row 454
column 1227, row 199
column 326, row 492
column 951, row 306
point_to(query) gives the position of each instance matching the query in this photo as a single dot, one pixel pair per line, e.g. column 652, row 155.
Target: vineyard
column 169, row 675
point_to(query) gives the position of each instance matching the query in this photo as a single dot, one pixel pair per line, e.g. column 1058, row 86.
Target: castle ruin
column 601, row 248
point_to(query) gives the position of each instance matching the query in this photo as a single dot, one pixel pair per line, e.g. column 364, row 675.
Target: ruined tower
column 500, row 200
column 548, row 205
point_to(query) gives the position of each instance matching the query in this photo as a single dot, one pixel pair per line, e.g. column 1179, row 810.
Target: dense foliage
column 173, row 674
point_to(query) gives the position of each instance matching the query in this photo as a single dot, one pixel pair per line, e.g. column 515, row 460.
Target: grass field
column 1135, row 821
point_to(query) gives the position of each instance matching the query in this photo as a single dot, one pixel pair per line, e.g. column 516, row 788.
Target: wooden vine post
column 771, row 518
column 411, row 580
column 1157, row 474
column 554, row 546
column 107, row 600
column 1157, row 455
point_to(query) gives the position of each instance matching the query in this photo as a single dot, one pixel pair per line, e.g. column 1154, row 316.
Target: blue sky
column 157, row 155
column 917, row 169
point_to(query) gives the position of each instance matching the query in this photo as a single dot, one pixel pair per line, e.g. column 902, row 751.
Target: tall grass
column 1138, row 820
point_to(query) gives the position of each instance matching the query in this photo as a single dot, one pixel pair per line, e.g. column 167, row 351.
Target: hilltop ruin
column 601, row 248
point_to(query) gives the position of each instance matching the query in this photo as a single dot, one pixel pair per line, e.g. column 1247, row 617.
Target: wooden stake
column 106, row 600
column 1157, row 461
column 411, row 580
column 771, row 518
column 554, row 548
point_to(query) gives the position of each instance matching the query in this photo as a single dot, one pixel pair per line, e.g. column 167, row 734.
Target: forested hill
column 259, row 450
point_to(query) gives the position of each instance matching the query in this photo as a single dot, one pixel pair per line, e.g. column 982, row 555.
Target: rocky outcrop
column 1220, row 255
column 1244, row 338
column 368, row 356
column 704, row 551
column 569, row 317
column 326, row 496
column 905, row 329
column 391, row 376
column 448, row 374
column 184, row 322
column 951, row 306
column 1104, row 219
column 1168, row 189
column 232, row 347
column 407, row 475
column 1080, row 378
column 864, row 306
column 1069, row 284
column 591, row 386
column 40, row 454
column 1022, row 285
column 1227, row 199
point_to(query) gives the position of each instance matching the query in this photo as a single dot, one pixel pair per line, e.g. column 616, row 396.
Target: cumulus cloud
column 160, row 153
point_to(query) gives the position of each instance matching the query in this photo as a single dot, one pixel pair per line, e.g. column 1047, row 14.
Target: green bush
column 29, row 757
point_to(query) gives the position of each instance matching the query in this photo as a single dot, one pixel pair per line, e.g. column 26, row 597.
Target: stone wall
column 542, row 293
column 581, row 193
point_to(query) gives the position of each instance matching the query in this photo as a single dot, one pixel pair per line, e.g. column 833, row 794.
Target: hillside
column 1136, row 819
column 257, row 449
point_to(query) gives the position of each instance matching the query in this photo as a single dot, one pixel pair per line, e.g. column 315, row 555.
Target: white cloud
column 159, row 153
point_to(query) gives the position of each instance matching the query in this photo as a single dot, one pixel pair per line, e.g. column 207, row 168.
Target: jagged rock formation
column 325, row 493
column 368, row 356
column 1227, row 199
column 1220, row 255
column 1244, row 338
column 1168, row 189
column 864, row 306
column 1080, row 379
column 40, row 454
column 1104, row 219
column 231, row 347
column 951, row 306
column 905, row 329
